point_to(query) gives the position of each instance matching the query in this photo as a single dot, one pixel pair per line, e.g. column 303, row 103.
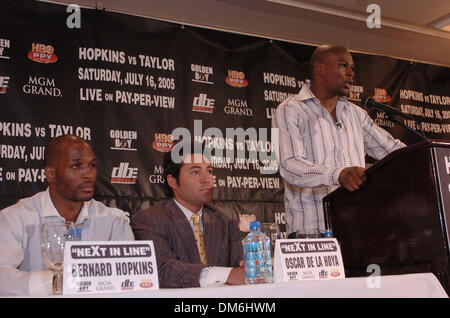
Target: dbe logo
column 123, row 174
column 236, row 79
column 4, row 80
column 42, row 53
column 127, row 285
column 203, row 104
column 163, row 142
column 323, row 274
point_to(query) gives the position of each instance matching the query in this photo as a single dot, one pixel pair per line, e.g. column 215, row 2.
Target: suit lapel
column 184, row 231
column 212, row 231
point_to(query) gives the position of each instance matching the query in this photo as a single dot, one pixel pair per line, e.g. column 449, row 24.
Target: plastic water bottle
column 258, row 262
column 326, row 233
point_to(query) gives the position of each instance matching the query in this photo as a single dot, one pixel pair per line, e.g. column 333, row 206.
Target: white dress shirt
column 22, row 271
column 314, row 149
column 211, row 275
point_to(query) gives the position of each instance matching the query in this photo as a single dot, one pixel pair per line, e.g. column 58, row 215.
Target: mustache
column 86, row 183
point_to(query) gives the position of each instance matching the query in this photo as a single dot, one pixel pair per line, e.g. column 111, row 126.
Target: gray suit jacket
column 176, row 249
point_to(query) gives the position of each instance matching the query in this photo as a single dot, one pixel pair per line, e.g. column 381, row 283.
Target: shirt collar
column 84, row 213
column 188, row 213
column 306, row 93
column 49, row 210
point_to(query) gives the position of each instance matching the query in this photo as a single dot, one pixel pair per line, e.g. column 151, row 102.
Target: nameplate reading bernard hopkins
column 109, row 267
column 307, row 259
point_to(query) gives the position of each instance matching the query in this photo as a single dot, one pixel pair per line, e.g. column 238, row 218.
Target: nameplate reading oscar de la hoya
column 307, row 259
column 109, row 267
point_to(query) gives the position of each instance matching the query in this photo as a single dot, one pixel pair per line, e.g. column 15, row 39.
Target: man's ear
column 50, row 173
column 172, row 182
column 318, row 67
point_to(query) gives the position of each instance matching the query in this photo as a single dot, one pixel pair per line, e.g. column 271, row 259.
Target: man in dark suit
column 191, row 253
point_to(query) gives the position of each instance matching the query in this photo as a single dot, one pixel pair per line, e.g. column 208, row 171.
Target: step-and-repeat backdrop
column 130, row 85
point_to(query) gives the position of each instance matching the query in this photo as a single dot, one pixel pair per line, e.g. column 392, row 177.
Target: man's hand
column 351, row 178
column 237, row 275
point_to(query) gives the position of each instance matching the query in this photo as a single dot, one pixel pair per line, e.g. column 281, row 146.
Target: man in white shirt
column 323, row 140
column 70, row 169
column 188, row 255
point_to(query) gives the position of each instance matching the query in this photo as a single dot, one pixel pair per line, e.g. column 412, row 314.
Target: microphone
column 370, row 103
column 338, row 125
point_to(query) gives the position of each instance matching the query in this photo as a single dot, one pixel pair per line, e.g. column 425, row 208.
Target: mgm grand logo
column 238, row 107
column 41, row 86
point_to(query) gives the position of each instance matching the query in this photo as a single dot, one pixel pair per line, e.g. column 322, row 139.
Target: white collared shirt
column 49, row 210
column 188, row 213
column 314, row 149
column 211, row 275
column 22, row 271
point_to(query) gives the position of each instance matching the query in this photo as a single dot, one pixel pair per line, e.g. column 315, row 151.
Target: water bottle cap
column 255, row 225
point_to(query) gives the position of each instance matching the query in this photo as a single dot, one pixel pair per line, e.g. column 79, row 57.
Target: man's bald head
column 322, row 52
column 53, row 149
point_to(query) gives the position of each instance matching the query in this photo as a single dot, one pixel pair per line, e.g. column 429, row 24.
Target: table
column 424, row 285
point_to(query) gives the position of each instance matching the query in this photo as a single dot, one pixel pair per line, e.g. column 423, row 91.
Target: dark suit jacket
column 176, row 249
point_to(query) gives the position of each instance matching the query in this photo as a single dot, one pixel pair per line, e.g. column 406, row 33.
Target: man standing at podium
column 324, row 139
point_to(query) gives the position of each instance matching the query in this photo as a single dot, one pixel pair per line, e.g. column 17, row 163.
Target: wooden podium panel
column 398, row 218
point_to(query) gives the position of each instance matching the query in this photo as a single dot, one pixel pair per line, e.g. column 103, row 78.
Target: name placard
column 307, row 259
column 108, row 267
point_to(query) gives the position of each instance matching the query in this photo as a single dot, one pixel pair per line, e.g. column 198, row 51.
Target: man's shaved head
column 322, row 52
column 332, row 71
column 53, row 149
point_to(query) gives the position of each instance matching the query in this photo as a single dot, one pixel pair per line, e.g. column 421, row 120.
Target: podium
column 399, row 219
